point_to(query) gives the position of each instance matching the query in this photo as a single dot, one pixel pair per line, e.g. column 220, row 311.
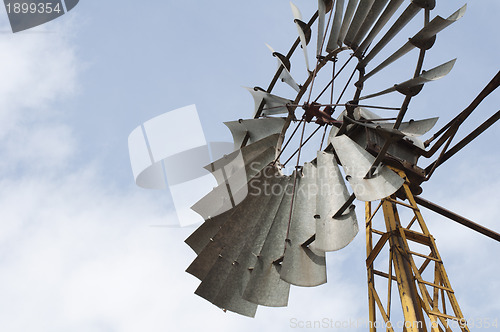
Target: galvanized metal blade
column 221, row 286
column 413, row 128
column 368, row 22
column 232, row 191
column 256, row 129
column 273, row 104
column 346, row 21
column 426, row 76
column 420, row 39
column 302, row 265
column 285, row 75
column 400, row 23
column 230, row 162
column 358, row 19
column 321, row 26
column 232, row 233
column 389, row 11
column 230, row 295
column 332, row 233
column 302, row 30
column 232, row 173
column 265, row 286
column 202, row 235
column 356, row 163
column 335, row 31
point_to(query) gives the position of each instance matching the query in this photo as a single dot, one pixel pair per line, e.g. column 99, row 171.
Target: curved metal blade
column 230, row 295
column 414, row 128
column 221, row 285
column 233, row 232
column 370, row 19
column 346, row 21
column 400, row 23
column 358, row 19
column 337, row 21
column 332, row 233
column 302, row 34
column 356, row 163
column 256, row 129
column 302, row 265
column 265, row 286
column 428, row 32
column 285, row 75
column 426, row 76
column 389, row 11
column 274, row 104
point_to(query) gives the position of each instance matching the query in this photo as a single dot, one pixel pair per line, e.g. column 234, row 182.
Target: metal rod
column 301, row 145
column 458, row 218
column 460, row 118
column 460, row 145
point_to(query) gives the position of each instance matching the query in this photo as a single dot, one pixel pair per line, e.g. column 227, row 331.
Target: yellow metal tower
column 427, row 298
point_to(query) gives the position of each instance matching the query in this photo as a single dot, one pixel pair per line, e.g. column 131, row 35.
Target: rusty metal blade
column 302, row 265
column 389, row 11
column 358, row 19
column 356, row 163
column 332, row 233
column 321, row 26
column 335, row 31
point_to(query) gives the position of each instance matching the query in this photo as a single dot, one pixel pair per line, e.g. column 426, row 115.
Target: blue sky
column 77, row 248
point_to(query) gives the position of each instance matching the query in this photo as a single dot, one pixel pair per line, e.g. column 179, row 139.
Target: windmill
column 252, row 252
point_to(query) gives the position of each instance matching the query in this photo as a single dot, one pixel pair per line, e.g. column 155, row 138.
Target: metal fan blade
column 256, row 129
column 356, row 163
column 421, row 39
column 265, row 286
column 332, row 233
column 303, row 30
column 302, row 265
column 285, row 75
column 222, row 285
column 389, row 11
column 335, row 31
column 368, row 22
column 248, row 153
column 274, row 104
column 413, row 128
column 230, row 193
column 426, row 76
column 324, row 6
column 400, row 23
column 202, row 235
column 230, row 295
column 233, row 173
column 346, row 21
column 358, row 19
column 233, row 232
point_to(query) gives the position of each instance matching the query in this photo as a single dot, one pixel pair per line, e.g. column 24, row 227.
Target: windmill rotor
column 267, row 230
